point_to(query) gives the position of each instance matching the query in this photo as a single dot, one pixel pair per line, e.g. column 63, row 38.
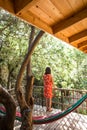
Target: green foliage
column 14, row 35
column 69, row 65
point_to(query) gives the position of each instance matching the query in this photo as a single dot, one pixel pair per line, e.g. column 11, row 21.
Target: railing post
column 62, row 100
column 42, row 95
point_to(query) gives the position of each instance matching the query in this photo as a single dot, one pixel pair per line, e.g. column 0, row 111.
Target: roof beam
column 25, row 5
column 85, row 51
column 84, row 48
column 78, row 36
column 62, row 37
column 35, row 21
column 32, row 19
column 70, row 21
column 82, row 44
column 7, row 5
column 19, row 4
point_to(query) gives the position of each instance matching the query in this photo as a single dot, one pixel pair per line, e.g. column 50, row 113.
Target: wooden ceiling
column 64, row 19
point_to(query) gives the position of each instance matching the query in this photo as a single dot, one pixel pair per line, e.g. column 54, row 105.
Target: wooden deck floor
column 72, row 121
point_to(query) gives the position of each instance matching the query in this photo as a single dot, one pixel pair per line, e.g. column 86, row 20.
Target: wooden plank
column 19, row 4
column 35, row 21
column 64, row 7
column 76, row 37
column 84, row 23
column 80, row 26
column 83, row 48
column 62, row 37
column 49, row 8
column 82, row 44
column 7, row 5
column 69, row 31
column 23, row 9
column 76, row 5
column 70, row 21
column 76, row 28
column 85, row 3
column 36, row 10
column 85, row 51
column 75, row 43
column 30, row 18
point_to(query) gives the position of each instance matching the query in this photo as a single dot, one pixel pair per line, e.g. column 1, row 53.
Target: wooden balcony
column 63, row 99
column 73, row 121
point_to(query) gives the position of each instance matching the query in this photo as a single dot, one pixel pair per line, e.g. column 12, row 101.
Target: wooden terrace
column 72, row 121
column 65, row 20
column 64, row 98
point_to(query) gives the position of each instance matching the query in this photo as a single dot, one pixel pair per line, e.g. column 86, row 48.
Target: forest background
column 69, row 65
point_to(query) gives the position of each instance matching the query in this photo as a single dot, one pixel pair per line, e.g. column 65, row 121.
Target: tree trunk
column 30, row 80
column 7, row 122
column 29, row 100
column 26, row 104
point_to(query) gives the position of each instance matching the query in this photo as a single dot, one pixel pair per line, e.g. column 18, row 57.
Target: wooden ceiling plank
column 41, row 15
column 85, row 2
column 70, row 21
column 50, row 9
column 7, row 5
column 63, row 6
column 78, row 36
column 76, row 5
column 82, row 44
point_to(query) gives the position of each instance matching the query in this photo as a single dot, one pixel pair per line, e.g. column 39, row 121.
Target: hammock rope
column 53, row 117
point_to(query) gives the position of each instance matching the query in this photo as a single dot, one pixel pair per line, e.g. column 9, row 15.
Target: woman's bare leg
column 50, row 103
column 47, row 104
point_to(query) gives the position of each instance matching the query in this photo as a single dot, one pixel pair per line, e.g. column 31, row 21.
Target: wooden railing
column 62, row 98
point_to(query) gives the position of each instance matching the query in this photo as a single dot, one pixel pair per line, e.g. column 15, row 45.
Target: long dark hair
column 47, row 70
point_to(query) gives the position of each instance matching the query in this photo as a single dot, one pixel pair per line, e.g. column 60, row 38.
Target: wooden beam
column 20, row 4
column 35, row 21
column 78, row 36
column 82, row 44
column 25, row 5
column 85, row 51
column 84, row 48
column 62, row 37
column 70, row 21
column 7, row 5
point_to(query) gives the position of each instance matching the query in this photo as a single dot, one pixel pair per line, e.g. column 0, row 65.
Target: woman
column 48, row 84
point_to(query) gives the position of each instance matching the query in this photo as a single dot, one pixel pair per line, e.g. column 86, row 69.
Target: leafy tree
column 13, row 44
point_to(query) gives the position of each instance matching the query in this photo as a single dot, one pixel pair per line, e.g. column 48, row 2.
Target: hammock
column 54, row 117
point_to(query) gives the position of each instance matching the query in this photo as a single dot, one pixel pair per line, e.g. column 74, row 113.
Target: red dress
column 48, row 83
